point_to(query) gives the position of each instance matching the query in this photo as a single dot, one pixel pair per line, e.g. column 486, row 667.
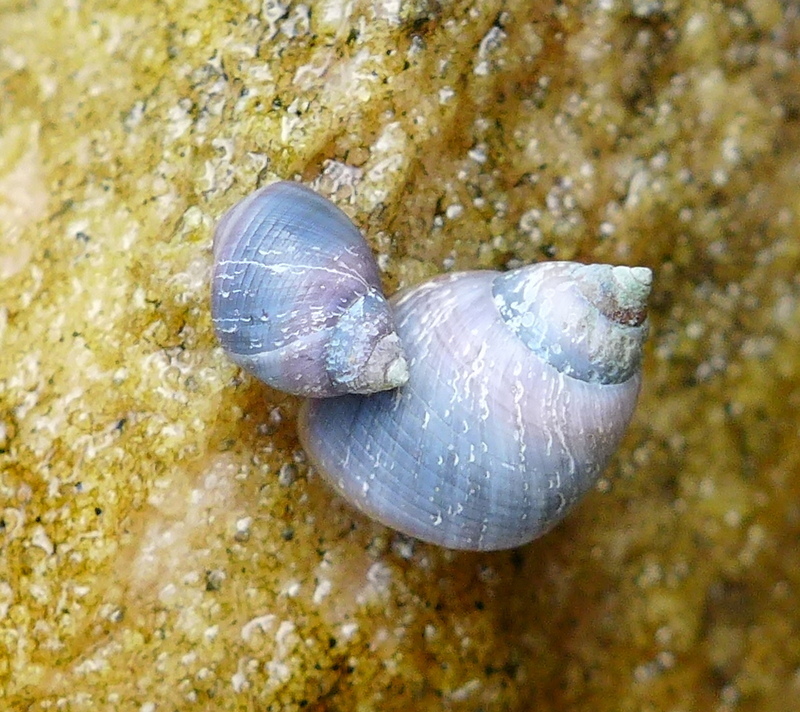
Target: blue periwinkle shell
column 520, row 387
column 296, row 297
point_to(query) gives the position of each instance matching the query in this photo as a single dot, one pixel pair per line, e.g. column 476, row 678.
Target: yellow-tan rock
column 163, row 544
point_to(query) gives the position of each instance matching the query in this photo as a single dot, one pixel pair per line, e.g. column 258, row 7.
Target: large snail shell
column 520, row 388
column 296, row 297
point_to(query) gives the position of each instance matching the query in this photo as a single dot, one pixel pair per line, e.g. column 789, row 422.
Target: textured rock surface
column 162, row 544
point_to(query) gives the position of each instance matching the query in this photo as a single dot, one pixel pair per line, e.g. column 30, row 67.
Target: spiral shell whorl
column 585, row 320
column 490, row 443
column 293, row 282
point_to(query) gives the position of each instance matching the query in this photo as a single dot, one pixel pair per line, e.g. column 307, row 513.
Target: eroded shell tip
column 632, row 290
column 388, row 362
column 620, row 293
column 363, row 353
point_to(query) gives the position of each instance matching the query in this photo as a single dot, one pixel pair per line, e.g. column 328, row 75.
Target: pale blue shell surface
column 296, row 296
column 521, row 386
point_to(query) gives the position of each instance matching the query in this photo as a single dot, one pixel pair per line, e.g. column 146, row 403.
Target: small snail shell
column 520, row 388
column 296, row 297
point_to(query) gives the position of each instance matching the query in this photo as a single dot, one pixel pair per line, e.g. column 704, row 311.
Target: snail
column 475, row 410
column 521, row 385
column 296, row 298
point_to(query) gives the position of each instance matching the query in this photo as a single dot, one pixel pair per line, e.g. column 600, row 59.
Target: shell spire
column 587, row 321
column 620, row 293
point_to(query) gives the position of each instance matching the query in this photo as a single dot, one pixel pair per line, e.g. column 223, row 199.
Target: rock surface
column 163, row 545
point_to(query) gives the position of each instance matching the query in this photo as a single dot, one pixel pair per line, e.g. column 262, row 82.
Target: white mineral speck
column 322, row 590
column 39, row 538
column 347, row 631
column 261, row 623
column 454, row 211
column 239, row 682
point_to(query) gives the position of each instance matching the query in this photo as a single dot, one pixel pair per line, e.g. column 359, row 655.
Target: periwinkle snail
column 296, row 298
column 520, row 386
